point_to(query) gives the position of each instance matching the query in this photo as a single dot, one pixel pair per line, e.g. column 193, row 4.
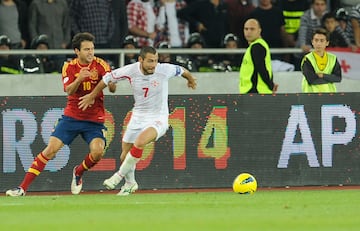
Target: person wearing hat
column 178, row 59
column 130, row 42
column 338, row 37
column 342, row 16
column 164, row 57
column 354, row 15
column 51, row 64
column 8, row 64
column 200, row 62
column 31, row 64
column 230, row 62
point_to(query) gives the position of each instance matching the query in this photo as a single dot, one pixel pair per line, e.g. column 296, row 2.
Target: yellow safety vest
column 10, row 70
column 247, row 69
column 292, row 20
column 316, row 88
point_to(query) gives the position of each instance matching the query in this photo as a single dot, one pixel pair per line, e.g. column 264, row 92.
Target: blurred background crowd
column 195, row 24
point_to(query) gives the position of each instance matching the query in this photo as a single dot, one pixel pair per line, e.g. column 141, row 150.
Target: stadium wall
column 208, row 83
column 283, row 140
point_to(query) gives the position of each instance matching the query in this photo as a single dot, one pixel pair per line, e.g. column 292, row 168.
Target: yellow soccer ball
column 245, row 183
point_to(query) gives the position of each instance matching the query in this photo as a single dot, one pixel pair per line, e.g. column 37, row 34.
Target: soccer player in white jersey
column 149, row 120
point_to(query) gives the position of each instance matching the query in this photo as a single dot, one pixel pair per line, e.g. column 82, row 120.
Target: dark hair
column 145, row 50
column 323, row 32
column 81, row 37
column 327, row 16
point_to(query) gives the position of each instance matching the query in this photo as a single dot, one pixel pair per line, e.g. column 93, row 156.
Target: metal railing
column 122, row 52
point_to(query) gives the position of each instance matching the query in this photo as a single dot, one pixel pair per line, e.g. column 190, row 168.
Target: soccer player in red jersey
column 79, row 76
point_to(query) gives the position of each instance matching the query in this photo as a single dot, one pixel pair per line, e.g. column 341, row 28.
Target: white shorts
column 136, row 126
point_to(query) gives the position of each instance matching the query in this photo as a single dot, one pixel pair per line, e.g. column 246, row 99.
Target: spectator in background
column 120, row 28
column 238, row 11
column 256, row 74
column 95, row 17
column 230, row 62
column 52, row 19
column 130, row 42
column 120, row 20
column 337, row 37
column 50, row 64
column 164, row 57
column 178, row 59
column 310, row 21
column 209, row 18
column 142, row 22
column 8, row 64
column 345, row 24
column 171, row 28
column 273, row 31
column 181, row 60
column 346, row 4
column 13, row 22
column 198, row 62
column 321, row 69
column 40, row 63
column 354, row 16
column 292, row 11
column 342, row 16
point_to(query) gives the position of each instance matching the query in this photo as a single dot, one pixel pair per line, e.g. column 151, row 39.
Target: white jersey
column 150, row 91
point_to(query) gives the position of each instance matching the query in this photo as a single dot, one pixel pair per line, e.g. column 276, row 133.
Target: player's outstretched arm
column 190, row 78
column 87, row 100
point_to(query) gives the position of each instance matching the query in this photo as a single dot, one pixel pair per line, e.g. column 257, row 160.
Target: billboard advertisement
column 283, row 140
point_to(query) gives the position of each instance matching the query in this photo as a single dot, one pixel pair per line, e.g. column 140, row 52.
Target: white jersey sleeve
column 121, row 73
column 169, row 70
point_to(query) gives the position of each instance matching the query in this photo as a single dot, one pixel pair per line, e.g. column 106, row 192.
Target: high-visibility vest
column 316, row 88
column 247, row 69
column 292, row 20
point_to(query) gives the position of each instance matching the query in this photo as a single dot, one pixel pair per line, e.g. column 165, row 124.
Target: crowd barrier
column 208, row 83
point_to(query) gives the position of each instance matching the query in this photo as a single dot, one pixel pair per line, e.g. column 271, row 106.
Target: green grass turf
column 265, row 210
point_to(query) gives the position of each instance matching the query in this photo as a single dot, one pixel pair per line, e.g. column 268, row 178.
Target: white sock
column 128, row 164
column 130, row 177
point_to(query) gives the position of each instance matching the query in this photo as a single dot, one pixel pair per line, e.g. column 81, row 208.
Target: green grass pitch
column 320, row 210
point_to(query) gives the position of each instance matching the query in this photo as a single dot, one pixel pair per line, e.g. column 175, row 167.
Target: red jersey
column 70, row 72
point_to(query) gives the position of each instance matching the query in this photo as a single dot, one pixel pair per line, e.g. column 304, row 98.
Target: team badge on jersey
column 154, row 83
